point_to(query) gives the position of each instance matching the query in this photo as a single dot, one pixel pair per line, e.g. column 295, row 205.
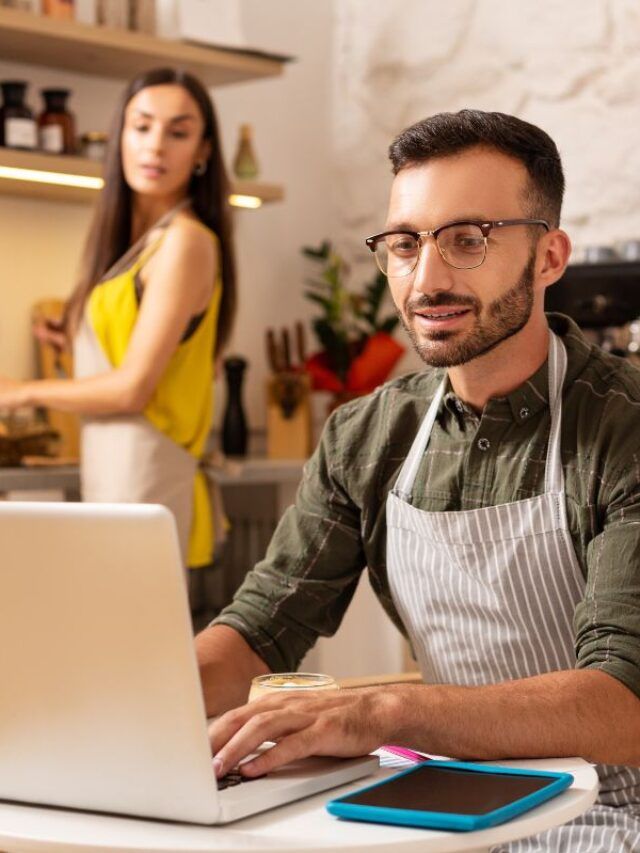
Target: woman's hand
column 12, row 393
column 50, row 332
column 342, row 723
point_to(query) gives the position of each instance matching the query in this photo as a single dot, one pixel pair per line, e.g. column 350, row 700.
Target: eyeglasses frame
column 485, row 225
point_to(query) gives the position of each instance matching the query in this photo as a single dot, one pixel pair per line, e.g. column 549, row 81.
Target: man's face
column 452, row 315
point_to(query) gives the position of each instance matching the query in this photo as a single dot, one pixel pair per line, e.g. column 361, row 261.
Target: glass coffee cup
column 284, row 683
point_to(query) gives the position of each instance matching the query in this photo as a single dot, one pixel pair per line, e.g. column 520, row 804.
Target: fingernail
column 217, row 767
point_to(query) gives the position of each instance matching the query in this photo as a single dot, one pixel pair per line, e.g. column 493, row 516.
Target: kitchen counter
column 236, row 472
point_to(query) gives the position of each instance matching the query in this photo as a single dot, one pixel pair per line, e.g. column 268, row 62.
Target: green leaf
column 389, row 324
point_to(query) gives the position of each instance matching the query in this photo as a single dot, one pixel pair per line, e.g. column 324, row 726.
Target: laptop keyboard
column 232, row 778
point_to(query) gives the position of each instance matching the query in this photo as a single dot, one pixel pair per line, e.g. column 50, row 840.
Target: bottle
column 56, row 126
column 245, row 164
column 93, row 145
column 234, row 426
column 62, row 9
column 17, row 124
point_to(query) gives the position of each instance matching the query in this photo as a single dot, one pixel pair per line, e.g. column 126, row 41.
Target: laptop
column 101, row 706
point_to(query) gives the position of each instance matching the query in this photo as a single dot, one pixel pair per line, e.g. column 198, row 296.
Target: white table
column 304, row 825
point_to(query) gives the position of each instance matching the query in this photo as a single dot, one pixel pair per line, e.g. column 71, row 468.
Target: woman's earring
column 200, row 168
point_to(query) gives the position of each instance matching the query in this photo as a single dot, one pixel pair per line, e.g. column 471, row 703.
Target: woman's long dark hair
column 110, row 233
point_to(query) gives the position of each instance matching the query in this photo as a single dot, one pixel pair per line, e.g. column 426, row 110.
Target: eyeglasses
column 463, row 245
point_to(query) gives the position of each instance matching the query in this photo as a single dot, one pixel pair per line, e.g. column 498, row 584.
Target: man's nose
column 432, row 271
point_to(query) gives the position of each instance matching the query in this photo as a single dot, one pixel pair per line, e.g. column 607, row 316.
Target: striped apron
column 488, row 595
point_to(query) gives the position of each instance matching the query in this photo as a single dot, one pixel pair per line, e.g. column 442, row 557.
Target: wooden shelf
column 68, row 165
column 121, row 54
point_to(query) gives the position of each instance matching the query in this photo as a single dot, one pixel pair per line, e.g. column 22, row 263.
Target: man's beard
column 506, row 316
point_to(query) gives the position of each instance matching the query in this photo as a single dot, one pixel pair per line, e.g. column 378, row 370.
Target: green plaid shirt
column 337, row 526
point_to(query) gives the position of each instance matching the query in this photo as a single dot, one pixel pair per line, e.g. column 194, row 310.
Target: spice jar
column 245, row 164
column 93, row 145
column 62, row 9
column 17, row 124
column 56, row 125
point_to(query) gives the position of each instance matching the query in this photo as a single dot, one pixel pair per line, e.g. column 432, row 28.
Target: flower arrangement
column 358, row 352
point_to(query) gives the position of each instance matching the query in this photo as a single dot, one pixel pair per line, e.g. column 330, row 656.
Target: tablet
column 452, row 795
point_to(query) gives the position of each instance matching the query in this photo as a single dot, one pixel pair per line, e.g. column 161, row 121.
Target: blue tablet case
column 558, row 782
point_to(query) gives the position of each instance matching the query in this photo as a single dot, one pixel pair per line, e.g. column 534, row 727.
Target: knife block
column 289, row 416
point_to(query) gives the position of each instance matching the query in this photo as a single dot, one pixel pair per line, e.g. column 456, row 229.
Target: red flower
column 368, row 370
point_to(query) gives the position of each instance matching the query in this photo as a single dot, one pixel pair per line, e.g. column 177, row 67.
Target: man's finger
column 290, row 748
column 267, row 726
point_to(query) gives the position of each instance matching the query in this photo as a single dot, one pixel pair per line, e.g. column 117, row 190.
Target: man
column 495, row 500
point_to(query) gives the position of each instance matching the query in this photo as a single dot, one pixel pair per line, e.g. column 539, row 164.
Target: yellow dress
column 152, row 457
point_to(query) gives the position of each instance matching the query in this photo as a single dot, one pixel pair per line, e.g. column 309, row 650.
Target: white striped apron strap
column 554, row 475
column 407, row 475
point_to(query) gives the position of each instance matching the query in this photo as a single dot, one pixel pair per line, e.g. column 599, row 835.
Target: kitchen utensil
column 273, row 353
column 286, row 349
column 301, row 345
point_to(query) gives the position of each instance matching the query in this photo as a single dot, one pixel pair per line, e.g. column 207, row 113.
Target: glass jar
column 56, row 125
column 113, row 13
column 93, row 145
column 17, row 124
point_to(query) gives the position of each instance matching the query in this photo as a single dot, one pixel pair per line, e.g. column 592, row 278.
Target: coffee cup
column 286, row 683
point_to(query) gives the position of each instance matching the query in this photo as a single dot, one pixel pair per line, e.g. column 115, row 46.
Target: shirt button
column 524, row 412
column 484, row 444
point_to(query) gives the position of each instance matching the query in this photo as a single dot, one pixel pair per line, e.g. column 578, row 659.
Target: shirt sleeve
column 303, row 586
column 607, row 621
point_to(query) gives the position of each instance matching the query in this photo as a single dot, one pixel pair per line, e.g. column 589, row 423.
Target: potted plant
column 358, row 352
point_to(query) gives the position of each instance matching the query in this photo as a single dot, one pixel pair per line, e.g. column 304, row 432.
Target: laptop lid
column 101, row 706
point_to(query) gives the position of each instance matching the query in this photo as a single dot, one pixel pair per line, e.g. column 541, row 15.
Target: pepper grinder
column 234, row 426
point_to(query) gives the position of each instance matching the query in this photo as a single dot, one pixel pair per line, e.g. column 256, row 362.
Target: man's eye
column 141, row 128
column 468, row 242
column 403, row 246
column 179, row 134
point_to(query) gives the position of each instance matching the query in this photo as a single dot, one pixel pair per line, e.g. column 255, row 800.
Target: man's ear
column 554, row 251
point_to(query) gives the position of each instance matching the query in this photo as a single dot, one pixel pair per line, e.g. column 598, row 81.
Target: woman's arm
column 179, row 281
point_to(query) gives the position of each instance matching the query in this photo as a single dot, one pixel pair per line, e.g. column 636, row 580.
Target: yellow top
column 182, row 404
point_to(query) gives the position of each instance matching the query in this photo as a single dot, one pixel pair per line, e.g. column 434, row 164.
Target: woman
column 154, row 304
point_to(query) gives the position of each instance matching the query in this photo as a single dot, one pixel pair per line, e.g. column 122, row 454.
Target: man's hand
column 342, row 723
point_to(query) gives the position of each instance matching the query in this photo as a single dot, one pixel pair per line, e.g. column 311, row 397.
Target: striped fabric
column 489, row 595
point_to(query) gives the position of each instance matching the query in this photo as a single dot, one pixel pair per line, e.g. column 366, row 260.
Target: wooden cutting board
column 54, row 365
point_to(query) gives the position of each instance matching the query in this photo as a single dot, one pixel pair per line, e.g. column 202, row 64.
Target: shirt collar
column 533, row 395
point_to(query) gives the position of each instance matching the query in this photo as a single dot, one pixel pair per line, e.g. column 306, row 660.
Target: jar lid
column 94, row 136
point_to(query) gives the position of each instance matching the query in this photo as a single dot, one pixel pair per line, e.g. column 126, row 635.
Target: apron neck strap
column 554, row 475
column 138, row 248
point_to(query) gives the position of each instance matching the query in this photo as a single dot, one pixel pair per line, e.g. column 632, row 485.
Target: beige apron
column 124, row 458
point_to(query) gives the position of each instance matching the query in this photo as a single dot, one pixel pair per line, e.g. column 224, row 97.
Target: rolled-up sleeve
column 303, row 586
column 607, row 621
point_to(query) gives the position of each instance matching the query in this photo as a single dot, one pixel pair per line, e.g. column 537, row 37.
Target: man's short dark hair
column 445, row 134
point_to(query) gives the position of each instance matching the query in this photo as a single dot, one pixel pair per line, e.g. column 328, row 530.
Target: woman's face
column 161, row 141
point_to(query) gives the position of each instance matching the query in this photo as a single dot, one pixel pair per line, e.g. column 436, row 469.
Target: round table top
column 302, row 825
